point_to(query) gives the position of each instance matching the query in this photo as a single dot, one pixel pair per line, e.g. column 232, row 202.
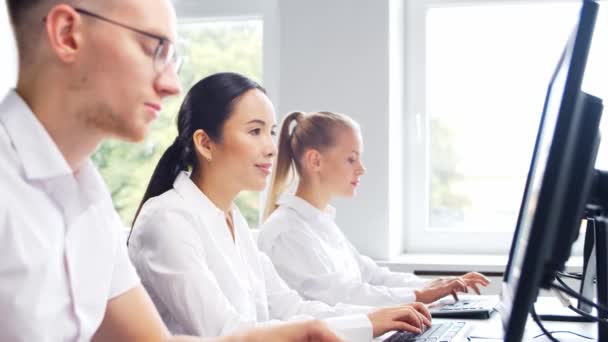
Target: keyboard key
column 438, row 332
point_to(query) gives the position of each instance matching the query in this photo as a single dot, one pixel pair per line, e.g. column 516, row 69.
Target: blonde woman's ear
column 203, row 144
column 312, row 160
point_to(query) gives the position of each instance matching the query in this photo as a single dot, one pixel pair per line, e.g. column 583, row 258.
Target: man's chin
column 132, row 136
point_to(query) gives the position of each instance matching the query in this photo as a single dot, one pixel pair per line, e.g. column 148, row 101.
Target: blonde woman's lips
column 265, row 168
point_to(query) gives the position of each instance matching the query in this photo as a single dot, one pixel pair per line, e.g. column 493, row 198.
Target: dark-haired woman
column 192, row 247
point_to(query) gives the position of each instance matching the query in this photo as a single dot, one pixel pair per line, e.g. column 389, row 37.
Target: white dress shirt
column 204, row 283
column 314, row 257
column 63, row 255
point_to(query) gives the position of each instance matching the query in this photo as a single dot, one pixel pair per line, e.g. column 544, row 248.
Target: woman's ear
column 312, row 160
column 203, row 144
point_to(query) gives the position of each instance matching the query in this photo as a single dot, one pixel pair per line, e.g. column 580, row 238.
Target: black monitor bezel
column 544, row 221
column 578, row 189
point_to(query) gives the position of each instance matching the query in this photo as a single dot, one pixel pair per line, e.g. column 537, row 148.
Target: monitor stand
column 598, row 210
column 601, row 244
column 595, row 264
column 599, row 198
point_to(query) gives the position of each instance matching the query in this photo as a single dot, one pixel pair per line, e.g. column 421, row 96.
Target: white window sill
column 459, row 263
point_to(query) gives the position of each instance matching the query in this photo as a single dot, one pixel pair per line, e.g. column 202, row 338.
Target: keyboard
column 438, row 332
column 465, row 308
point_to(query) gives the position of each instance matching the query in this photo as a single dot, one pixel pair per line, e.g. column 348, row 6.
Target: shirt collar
column 38, row 153
column 91, row 184
column 307, row 210
column 186, row 188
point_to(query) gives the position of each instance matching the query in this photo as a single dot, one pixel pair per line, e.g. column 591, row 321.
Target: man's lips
column 155, row 106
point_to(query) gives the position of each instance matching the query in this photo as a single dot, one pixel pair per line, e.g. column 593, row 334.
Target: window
column 486, row 66
column 209, row 47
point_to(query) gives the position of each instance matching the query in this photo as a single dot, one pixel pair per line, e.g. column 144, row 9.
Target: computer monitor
column 550, row 172
column 578, row 188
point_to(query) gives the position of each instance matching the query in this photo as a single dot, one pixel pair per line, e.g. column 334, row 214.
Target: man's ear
column 63, row 27
column 203, row 144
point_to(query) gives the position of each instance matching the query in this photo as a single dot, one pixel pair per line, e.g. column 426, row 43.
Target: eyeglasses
column 165, row 54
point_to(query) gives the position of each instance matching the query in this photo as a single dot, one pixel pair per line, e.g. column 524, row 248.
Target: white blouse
column 314, row 257
column 204, row 283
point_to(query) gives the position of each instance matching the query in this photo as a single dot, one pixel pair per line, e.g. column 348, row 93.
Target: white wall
column 337, row 59
column 8, row 57
column 334, row 55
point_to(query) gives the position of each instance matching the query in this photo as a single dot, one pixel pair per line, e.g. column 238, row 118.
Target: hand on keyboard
column 411, row 317
column 442, row 287
column 438, row 332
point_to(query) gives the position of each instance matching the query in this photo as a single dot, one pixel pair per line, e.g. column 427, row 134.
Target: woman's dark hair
column 207, row 106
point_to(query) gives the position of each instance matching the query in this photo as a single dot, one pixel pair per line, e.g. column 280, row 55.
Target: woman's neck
column 218, row 192
column 216, row 189
column 313, row 194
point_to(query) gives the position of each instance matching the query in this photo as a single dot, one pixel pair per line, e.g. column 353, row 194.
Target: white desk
column 492, row 328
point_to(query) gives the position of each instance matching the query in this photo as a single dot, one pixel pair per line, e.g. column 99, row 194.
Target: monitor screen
column 537, row 171
column 549, row 172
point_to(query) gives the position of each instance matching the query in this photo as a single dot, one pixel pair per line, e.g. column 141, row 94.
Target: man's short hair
column 18, row 8
column 27, row 20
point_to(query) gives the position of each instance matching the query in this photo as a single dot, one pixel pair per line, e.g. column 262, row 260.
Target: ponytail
column 284, row 167
column 171, row 163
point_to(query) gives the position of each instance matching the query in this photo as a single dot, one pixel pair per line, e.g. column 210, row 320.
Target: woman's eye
column 351, row 160
column 273, row 133
column 255, row 131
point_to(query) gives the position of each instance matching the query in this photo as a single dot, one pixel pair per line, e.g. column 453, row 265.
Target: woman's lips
column 265, row 168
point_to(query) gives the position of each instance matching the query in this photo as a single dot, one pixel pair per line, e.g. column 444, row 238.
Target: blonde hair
column 315, row 130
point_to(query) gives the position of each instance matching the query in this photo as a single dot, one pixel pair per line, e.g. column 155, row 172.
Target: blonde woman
column 300, row 235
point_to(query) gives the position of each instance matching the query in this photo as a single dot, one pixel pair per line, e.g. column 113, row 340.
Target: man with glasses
column 88, row 70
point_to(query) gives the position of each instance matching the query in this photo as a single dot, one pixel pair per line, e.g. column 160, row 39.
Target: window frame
column 266, row 10
column 416, row 237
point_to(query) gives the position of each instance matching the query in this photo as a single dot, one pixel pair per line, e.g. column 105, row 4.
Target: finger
column 457, row 285
column 421, row 308
column 402, row 326
column 476, row 281
column 478, row 277
column 475, row 288
column 486, row 281
column 408, row 314
column 415, row 318
column 425, row 321
column 463, row 284
column 455, row 295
